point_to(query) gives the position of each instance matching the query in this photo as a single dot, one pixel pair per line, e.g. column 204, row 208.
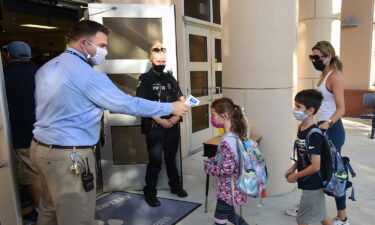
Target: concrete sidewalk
column 358, row 147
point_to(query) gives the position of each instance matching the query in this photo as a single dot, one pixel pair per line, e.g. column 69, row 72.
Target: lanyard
column 73, row 53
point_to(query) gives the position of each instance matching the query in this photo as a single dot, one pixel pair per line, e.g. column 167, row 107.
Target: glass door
column 216, row 62
column 204, row 78
column 133, row 28
column 10, row 212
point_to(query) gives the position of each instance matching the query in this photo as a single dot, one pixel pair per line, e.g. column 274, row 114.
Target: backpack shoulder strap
column 314, row 130
column 239, row 147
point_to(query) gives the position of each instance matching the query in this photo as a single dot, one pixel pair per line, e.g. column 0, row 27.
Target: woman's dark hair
column 327, row 49
column 85, row 28
column 226, row 105
column 309, row 98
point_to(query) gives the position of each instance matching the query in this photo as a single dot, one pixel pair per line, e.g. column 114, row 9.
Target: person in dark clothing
column 19, row 76
column 162, row 134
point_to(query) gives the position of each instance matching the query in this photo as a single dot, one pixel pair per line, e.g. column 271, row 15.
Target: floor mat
column 123, row 208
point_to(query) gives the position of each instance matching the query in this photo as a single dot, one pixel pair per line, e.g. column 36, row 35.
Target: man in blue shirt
column 70, row 96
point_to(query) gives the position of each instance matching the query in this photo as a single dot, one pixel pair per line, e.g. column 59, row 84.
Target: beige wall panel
column 328, row 8
column 270, row 112
column 238, row 96
column 306, row 10
column 356, row 44
column 259, row 68
column 264, row 47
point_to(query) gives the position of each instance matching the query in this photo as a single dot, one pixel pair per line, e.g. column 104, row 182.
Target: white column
column 259, row 73
column 318, row 20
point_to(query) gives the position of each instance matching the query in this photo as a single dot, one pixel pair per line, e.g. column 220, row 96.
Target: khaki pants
column 63, row 200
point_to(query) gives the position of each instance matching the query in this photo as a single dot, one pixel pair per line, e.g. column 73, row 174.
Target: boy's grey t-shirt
column 312, row 182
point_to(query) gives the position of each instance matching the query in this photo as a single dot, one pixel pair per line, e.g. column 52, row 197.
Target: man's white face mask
column 99, row 56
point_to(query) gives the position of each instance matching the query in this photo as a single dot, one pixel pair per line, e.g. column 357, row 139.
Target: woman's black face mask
column 319, row 65
column 317, row 61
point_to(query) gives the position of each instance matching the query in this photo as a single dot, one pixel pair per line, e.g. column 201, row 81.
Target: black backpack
column 334, row 170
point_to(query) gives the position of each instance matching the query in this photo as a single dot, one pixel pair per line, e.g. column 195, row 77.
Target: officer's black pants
column 159, row 139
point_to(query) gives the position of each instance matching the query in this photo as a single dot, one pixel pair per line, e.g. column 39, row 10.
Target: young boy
column 312, row 205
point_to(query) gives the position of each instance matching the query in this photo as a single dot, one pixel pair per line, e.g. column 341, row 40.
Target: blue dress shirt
column 70, row 97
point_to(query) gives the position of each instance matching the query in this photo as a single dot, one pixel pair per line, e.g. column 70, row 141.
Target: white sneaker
column 337, row 221
column 292, row 211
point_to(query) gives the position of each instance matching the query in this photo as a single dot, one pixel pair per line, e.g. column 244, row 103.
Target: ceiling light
column 38, row 26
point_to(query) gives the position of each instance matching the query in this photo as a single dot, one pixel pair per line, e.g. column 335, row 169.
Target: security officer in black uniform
column 161, row 133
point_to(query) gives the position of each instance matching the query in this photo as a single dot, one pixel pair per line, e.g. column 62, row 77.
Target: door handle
column 217, row 90
column 211, row 94
column 1, row 165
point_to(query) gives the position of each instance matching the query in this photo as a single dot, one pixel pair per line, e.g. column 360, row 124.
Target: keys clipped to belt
column 74, row 166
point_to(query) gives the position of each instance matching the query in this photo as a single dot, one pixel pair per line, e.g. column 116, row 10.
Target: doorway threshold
column 196, row 151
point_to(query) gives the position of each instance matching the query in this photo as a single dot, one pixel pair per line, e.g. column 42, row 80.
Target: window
column 218, row 82
column 200, row 118
column 126, row 82
column 217, row 50
column 199, row 83
column 216, row 11
column 199, row 9
column 131, row 38
column 198, row 48
column 207, row 10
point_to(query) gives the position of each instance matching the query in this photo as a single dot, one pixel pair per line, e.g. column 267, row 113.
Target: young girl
column 225, row 114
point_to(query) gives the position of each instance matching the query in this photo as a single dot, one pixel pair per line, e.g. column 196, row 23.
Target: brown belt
column 62, row 147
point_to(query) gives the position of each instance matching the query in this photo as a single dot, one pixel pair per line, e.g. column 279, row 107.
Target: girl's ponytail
column 239, row 122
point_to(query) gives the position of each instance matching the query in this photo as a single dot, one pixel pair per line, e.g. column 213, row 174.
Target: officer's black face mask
column 158, row 68
column 319, row 65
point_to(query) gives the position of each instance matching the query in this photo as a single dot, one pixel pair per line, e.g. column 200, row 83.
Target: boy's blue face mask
column 301, row 116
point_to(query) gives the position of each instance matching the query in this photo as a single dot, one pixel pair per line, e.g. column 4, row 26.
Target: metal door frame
column 10, row 204
column 124, row 177
column 195, row 144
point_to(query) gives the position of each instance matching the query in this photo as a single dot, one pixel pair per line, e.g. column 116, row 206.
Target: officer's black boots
column 180, row 192
column 150, row 197
column 152, row 202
